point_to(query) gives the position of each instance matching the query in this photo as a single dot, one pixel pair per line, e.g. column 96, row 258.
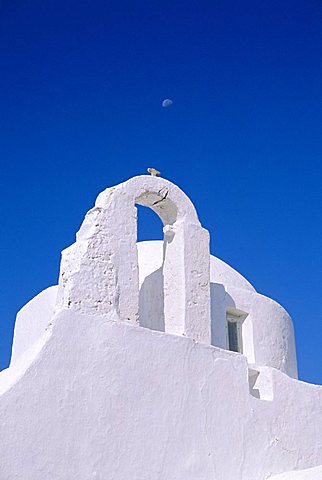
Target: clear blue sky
column 81, row 86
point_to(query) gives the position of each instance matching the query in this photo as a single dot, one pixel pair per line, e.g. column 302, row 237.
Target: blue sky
column 81, row 86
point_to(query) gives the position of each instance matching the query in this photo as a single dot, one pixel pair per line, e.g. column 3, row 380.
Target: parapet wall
column 105, row 399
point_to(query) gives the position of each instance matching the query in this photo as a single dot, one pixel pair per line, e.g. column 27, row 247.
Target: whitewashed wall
column 91, row 394
column 106, row 400
column 267, row 331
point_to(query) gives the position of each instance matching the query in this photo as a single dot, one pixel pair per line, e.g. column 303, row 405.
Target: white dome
column 221, row 272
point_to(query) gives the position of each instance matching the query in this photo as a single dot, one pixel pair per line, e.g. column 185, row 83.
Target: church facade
column 154, row 361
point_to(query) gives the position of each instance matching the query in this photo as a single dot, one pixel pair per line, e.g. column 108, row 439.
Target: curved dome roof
column 150, row 255
column 221, row 272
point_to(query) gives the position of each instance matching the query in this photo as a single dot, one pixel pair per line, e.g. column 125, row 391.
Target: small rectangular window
column 234, row 340
column 233, row 343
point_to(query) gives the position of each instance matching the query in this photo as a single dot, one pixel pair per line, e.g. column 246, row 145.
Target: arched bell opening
column 149, row 225
column 99, row 273
column 150, row 269
column 160, row 203
column 151, row 283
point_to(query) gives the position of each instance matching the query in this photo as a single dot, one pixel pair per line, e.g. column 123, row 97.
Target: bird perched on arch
column 153, row 172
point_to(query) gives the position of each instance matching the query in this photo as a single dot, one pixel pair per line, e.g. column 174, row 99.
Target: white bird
column 153, row 172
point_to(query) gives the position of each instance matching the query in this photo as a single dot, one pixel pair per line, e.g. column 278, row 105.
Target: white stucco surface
column 109, row 399
column 32, row 320
column 123, row 370
column 307, row 474
column 99, row 272
column 268, row 336
column 224, row 274
column 150, row 256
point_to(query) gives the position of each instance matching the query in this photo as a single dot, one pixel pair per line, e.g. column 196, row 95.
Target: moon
column 166, row 102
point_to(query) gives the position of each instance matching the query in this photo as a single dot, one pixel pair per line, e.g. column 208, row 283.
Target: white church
column 154, row 361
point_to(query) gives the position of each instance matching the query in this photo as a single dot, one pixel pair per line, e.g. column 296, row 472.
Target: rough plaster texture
column 99, row 273
column 91, row 394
